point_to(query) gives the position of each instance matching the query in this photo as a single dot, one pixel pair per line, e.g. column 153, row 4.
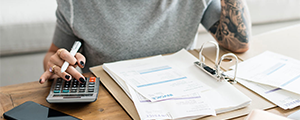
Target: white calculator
column 73, row 91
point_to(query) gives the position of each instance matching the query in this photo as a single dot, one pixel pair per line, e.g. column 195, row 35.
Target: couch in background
column 27, row 26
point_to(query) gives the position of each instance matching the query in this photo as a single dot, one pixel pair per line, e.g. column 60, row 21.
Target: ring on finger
column 51, row 69
column 59, row 52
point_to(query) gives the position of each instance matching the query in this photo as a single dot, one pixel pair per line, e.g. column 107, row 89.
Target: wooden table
column 105, row 107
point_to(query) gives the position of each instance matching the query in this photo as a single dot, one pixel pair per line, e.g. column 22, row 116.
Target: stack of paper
column 273, row 76
column 172, row 87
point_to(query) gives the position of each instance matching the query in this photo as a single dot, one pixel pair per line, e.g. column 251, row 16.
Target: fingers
column 45, row 76
column 56, row 70
column 78, row 76
column 80, row 60
column 56, row 61
column 65, row 56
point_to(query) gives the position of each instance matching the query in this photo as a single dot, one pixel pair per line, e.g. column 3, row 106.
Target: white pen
column 73, row 51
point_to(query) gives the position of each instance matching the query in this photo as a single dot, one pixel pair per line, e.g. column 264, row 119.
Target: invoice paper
column 186, row 106
column 272, row 69
column 278, row 96
column 210, row 97
column 155, row 79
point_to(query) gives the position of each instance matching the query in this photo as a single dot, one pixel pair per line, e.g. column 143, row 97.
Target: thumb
column 45, row 76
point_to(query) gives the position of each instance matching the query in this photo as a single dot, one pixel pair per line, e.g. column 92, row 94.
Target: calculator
column 73, row 91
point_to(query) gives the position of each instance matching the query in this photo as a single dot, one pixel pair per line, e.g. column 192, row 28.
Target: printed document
column 272, row 69
column 155, row 78
column 267, row 66
column 202, row 95
column 187, row 106
column 278, row 96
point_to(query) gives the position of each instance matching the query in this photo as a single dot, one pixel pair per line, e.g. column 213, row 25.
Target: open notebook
column 217, row 96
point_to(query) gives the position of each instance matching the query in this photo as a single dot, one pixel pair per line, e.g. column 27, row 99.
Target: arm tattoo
column 232, row 31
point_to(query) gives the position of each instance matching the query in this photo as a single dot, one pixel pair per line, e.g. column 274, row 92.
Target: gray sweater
column 113, row 30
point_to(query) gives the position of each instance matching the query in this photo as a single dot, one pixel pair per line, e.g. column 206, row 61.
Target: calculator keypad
column 74, row 86
column 63, row 91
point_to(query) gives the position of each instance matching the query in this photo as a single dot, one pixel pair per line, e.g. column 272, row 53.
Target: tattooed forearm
column 233, row 29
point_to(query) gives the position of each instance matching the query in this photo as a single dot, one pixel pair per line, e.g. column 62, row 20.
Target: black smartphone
column 34, row 111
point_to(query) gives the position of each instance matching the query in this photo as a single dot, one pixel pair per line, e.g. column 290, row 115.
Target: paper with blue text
column 272, row 69
column 186, row 106
column 155, row 78
column 200, row 94
column 273, row 76
column 283, row 98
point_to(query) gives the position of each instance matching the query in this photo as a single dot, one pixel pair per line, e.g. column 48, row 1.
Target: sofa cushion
column 268, row 11
column 26, row 25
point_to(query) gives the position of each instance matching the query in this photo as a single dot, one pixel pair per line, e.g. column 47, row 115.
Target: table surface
column 105, row 107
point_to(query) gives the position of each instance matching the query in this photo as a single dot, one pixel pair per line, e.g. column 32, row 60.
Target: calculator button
column 81, row 90
column 59, row 79
column 65, row 91
column 56, row 91
column 82, row 85
column 91, row 83
column 66, row 88
column 75, row 82
column 92, row 79
column 92, row 87
column 74, row 90
column 91, row 90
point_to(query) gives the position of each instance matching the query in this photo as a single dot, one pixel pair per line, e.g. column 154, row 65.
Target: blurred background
column 27, row 27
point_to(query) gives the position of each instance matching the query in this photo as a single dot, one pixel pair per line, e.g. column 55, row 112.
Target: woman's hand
column 53, row 65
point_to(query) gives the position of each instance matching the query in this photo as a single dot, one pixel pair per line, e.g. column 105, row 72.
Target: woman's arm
column 233, row 30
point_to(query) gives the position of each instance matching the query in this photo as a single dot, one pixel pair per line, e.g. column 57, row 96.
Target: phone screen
column 34, row 111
